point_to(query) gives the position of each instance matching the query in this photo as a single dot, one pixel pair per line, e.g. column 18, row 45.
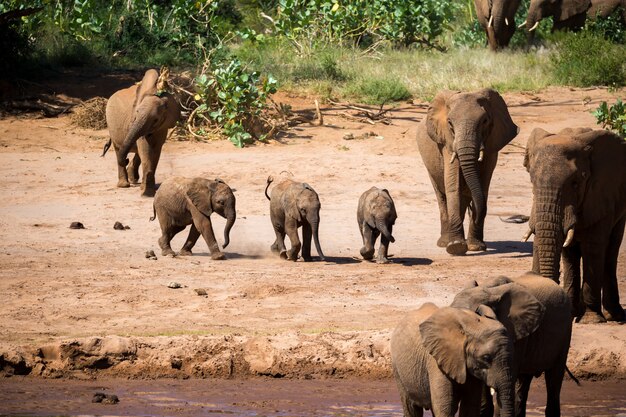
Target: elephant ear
column 437, row 119
column 497, row 281
column 517, row 309
column 147, row 86
column 536, row 136
column 444, row 338
column 198, row 193
column 571, row 8
column 503, row 130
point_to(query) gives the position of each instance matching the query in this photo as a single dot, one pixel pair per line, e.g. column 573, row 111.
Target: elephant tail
column 571, row 375
column 106, row 148
column 270, row 179
column 153, row 213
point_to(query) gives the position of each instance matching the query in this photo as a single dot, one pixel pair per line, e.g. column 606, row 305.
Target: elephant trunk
column 503, row 382
column 381, row 225
column 548, row 234
column 231, row 216
column 315, row 226
column 467, row 154
column 136, row 130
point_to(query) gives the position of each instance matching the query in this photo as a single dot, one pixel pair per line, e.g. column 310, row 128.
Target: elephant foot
column 367, row 254
column 475, row 245
column 274, row 248
column 592, row 317
column 168, row 252
column 442, row 242
column 185, row 252
column 292, row 256
column 383, row 260
column 307, row 258
column 457, row 247
column 148, row 192
column 123, row 184
column 133, row 181
column 615, row 315
column 283, row 254
column 218, row 256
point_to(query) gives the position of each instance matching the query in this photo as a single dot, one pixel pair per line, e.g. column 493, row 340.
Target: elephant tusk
column 534, row 27
column 490, row 21
column 506, row 21
column 569, row 238
column 522, row 25
column 527, row 235
column 492, row 391
column 481, row 155
column 453, row 157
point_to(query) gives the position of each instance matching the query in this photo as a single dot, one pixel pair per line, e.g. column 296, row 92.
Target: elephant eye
column 450, row 126
column 486, row 358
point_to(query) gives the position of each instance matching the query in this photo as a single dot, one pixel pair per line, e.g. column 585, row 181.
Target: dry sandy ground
column 68, row 294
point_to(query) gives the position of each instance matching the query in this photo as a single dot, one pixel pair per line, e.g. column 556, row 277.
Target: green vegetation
column 241, row 51
column 612, row 117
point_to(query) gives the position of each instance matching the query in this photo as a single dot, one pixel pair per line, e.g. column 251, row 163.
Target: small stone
column 100, row 397
column 120, row 226
column 176, row 363
column 77, row 225
column 174, row 285
column 150, row 254
column 348, row 136
column 111, row 399
column 200, row 291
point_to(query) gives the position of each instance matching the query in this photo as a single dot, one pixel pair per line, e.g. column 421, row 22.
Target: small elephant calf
column 376, row 215
column 182, row 201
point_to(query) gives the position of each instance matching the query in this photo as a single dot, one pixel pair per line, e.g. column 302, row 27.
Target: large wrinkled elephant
column 138, row 118
column 443, row 356
column 182, row 201
column 459, row 142
column 294, row 204
column 542, row 310
column 376, row 215
column 497, row 17
column 579, row 211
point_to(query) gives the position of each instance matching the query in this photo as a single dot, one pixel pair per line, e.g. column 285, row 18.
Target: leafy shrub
column 612, row 117
column 610, row 27
column 586, row 59
column 380, row 90
column 324, row 68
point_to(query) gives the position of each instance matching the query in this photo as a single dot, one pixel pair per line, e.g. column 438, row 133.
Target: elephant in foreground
column 376, row 216
column 459, row 142
column 182, row 201
column 542, row 311
column 138, row 118
column 578, row 212
column 443, row 356
column 293, row 205
column 497, row 17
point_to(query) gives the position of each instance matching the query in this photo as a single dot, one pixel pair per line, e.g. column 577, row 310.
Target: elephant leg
column 369, row 240
column 122, row 175
column 194, row 234
column 475, row 240
column 521, row 393
column 307, row 235
column 471, row 396
column 554, row 381
column 150, row 152
column 571, row 276
column 204, row 226
column 167, row 234
column 133, row 169
column 593, row 272
column 384, row 248
column 291, row 227
column 444, row 237
column 610, row 291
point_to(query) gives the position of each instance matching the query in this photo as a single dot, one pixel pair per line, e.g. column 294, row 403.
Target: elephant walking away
column 497, row 17
column 293, row 205
column 443, row 356
column 191, row 201
column 138, row 118
column 578, row 214
column 376, row 216
column 537, row 315
column 459, row 142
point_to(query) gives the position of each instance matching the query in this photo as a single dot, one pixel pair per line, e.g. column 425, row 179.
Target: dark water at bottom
column 262, row 397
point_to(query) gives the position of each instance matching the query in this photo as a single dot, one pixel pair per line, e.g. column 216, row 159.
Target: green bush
column 586, row 59
column 324, row 68
column 379, row 90
column 610, row 27
column 612, row 117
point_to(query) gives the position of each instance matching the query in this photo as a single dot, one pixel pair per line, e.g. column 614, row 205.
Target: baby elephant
column 182, row 201
column 294, row 204
column 376, row 216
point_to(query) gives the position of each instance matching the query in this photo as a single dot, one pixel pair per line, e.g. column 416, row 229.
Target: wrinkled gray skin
column 293, row 205
column 443, row 356
column 501, row 14
column 579, row 188
column 537, row 315
column 191, row 201
column 138, row 121
column 376, row 216
column 463, row 124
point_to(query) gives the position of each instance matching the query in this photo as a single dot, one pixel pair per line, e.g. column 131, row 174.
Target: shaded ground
column 262, row 315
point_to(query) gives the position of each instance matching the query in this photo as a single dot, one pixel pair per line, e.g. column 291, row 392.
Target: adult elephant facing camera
column 497, row 17
column 578, row 213
column 459, row 142
column 138, row 118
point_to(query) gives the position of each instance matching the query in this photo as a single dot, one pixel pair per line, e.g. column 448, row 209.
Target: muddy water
column 261, row 397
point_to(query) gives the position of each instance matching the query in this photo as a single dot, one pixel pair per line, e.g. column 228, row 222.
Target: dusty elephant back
column 170, row 199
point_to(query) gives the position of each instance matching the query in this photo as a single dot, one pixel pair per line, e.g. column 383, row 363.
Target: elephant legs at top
column 192, row 238
column 133, row 169
column 610, row 291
